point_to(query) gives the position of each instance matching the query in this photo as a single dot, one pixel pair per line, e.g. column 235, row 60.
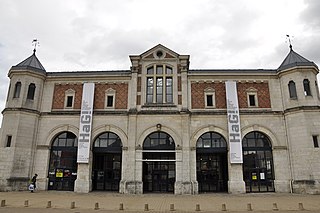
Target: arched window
column 160, row 141
column 159, row 86
column 31, row 91
column 258, row 172
column 292, row 90
column 107, row 141
column 306, row 87
column 63, row 162
column 17, row 90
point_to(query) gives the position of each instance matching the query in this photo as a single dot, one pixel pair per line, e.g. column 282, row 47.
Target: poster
column 234, row 129
column 84, row 138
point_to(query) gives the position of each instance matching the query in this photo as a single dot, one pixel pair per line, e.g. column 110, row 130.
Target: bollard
column 121, row 206
column 249, row 207
column 197, row 207
column 275, row 207
column 49, row 204
column 96, row 206
column 224, row 207
column 26, row 203
column 301, row 206
column 73, row 205
column 171, row 207
column 146, row 207
column 3, row 203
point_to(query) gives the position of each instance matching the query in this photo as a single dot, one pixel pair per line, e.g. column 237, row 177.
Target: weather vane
column 289, row 40
column 35, row 43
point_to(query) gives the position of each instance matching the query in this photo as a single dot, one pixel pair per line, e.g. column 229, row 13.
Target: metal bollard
column 197, row 207
column 3, row 203
column 146, row 207
column 121, row 206
column 301, row 206
column 249, row 207
column 171, row 207
column 49, row 204
column 73, row 205
column 26, row 203
column 224, row 207
column 96, row 206
column 275, row 207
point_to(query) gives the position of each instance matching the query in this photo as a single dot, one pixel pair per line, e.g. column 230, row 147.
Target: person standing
column 33, row 181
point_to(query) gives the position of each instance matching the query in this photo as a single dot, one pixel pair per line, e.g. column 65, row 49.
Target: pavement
column 61, row 201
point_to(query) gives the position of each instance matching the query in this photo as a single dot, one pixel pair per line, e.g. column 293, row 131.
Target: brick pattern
column 59, row 95
column 179, row 83
column 138, row 99
column 139, row 84
column 121, row 95
column 198, row 99
column 263, row 94
column 179, row 99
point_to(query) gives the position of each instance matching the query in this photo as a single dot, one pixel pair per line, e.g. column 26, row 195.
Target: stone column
column 236, row 185
column 83, row 183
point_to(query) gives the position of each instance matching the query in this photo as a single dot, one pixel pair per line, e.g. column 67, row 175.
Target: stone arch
column 204, row 129
column 58, row 129
column 273, row 139
column 148, row 131
column 110, row 128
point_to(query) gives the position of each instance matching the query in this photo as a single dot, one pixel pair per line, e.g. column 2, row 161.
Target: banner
column 84, row 139
column 233, row 123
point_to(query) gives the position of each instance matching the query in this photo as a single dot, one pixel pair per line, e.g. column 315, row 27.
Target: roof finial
column 35, row 43
column 289, row 40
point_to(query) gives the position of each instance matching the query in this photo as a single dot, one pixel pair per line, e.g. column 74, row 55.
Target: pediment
column 159, row 52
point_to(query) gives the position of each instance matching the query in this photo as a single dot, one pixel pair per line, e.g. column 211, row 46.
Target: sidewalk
column 158, row 202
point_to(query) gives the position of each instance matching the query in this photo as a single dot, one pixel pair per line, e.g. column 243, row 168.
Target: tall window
column 292, row 90
column 17, row 89
column 31, row 91
column 159, row 86
column 209, row 95
column 69, row 98
column 306, row 87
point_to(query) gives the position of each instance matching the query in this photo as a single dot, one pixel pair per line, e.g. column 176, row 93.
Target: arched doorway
column 212, row 165
column 107, row 155
column 159, row 172
column 63, row 162
column 258, row 172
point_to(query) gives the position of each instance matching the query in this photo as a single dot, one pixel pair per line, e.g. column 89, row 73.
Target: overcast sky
column 78, row 35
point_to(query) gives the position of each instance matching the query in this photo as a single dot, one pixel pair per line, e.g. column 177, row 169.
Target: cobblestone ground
column 112, row 202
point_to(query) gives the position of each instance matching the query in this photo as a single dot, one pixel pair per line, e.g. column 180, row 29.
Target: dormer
column 159, row 73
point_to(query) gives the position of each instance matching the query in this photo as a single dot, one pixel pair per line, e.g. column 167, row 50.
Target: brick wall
column 198, row 99
column 59, row 95
column 121, row 95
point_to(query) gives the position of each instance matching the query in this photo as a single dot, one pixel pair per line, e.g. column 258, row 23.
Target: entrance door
column 257, row 163
column 106, row 169
column 158, row 176
column 212, row 165
column 159, row 163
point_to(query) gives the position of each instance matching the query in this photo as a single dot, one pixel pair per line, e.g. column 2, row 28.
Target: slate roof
column 293, row 59
column 31, row 63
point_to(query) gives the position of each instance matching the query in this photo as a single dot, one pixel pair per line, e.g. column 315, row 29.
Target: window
column 209, row 98
column 315, row 141
column 306, row 87
column 69, row 101
column 17, row 90
column 9, row 138
column 252, row 95
column 110, row 98
column 292, row 90
column 69, row 98
column 31, row 91
column 159, row 85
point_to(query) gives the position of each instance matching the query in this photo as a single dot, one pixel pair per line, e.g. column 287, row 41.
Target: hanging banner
column 84, row 139
column 233, row 123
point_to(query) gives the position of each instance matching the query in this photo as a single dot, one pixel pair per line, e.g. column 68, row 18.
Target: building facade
column 162, row 127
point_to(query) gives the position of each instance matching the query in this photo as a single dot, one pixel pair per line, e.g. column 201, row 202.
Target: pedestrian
column 33, row 182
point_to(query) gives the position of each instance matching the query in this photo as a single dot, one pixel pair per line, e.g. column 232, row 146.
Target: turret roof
column 31, row 62
column 293, row 59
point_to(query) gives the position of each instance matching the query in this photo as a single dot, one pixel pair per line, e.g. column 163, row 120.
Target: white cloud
column 100, row 35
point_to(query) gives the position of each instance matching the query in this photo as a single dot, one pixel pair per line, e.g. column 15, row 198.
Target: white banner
column 233, row 123
column 84, row 139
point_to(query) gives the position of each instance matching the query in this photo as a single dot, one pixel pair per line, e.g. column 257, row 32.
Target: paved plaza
column 59, row 201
